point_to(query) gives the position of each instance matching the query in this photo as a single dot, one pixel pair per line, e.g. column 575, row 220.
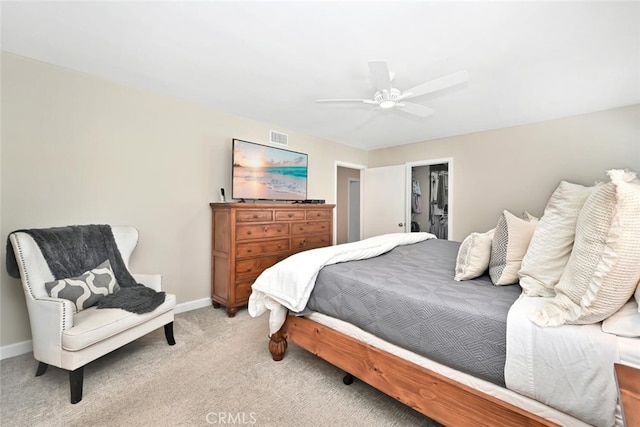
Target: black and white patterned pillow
column 85, row 290
column 510, row 243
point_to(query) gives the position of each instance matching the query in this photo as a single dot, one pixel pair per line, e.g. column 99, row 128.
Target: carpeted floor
column 219, row 373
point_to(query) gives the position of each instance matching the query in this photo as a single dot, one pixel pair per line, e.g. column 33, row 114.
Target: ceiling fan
column 387, row 97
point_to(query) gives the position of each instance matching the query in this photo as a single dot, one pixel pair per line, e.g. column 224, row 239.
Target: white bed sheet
column 485, row 387
column 563, row 366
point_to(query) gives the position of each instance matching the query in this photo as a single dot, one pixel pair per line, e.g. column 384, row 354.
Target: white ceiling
column 270, row 61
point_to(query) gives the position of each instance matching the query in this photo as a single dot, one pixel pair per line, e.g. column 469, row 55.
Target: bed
column 477, row 360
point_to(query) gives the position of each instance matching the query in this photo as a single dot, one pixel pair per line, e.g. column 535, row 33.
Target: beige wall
column 518, row 168
column 77, row 150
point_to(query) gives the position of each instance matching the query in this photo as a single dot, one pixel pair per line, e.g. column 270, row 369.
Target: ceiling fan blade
column 380, row 75
column 435, row 85
column 366, row 101
column 416, row 109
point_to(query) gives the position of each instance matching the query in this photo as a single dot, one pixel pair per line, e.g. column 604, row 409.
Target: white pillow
column 510, row 242
column 624, row 322
column 552, row 241
column 473, row 256
column 603, row 270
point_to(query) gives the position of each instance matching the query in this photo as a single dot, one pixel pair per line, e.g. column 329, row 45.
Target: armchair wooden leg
column 42, row 368
column 75, row 381
column 168, row 332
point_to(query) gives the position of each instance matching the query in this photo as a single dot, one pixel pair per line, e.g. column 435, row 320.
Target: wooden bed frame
column 436, row 396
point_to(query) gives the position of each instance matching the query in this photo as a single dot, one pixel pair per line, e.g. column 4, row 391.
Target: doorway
column 347, row 226
column 443, row 219
column 430, row 196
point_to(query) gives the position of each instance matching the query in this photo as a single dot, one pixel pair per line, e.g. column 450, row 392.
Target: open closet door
column 384, row 200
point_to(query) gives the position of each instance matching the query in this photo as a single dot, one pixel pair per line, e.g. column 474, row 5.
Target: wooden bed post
column 277, row 345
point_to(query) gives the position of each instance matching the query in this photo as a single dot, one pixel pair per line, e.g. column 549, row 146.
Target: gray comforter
column 408, row 297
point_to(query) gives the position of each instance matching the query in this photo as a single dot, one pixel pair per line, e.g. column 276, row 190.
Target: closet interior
column 430, row 199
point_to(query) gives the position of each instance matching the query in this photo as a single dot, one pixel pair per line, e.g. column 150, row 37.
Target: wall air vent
column 278, row 138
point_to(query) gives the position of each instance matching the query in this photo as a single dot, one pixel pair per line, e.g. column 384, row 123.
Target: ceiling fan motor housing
column 387, row 99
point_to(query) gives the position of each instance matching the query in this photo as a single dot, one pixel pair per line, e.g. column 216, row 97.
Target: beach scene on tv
column 268, row 173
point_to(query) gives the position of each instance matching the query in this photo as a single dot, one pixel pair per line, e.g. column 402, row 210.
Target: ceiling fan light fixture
column 386, row 99
column 387, row 104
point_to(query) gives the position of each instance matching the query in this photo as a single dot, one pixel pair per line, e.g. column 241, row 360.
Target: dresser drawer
column 310, row 227
column 254, row 216
column 310, row 242
column 244, row 250
column 319, row 214
column 253, row 267
column 289, row 215
column 258, row 231
column 243, row 290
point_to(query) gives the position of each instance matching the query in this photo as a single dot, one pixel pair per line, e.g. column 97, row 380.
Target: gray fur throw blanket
column 72, row 250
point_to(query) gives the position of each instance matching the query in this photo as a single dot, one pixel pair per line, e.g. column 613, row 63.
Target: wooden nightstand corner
column 628, row 379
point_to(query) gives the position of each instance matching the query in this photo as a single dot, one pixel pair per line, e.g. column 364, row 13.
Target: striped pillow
column 510, row 242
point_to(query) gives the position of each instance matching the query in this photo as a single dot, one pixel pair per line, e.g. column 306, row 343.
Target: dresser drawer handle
column 279, row 246
column 248, row 231
column 255, row 215
column 290, row 215
column 302, row 243
column 248, row 269
column 249, row 250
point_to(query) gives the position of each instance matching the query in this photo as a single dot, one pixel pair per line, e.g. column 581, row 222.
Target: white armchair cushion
column 85, row 290
column 95, row 325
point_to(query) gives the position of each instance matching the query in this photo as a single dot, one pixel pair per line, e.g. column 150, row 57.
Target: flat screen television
column 261, row 172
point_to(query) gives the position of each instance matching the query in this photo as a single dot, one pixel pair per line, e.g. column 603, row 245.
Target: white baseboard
column 192, row 305
column 17, row 349
column 23, row 347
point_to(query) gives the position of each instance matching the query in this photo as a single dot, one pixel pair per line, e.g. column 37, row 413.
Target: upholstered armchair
column 69, row 339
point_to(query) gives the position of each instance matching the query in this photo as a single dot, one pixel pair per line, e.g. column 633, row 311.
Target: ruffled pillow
column 603, row 270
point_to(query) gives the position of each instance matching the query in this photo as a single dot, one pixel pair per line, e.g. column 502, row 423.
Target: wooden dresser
column 250, row 237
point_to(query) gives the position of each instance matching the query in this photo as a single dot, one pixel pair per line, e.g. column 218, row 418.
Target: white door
column 354, row 211
column 384, row 200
